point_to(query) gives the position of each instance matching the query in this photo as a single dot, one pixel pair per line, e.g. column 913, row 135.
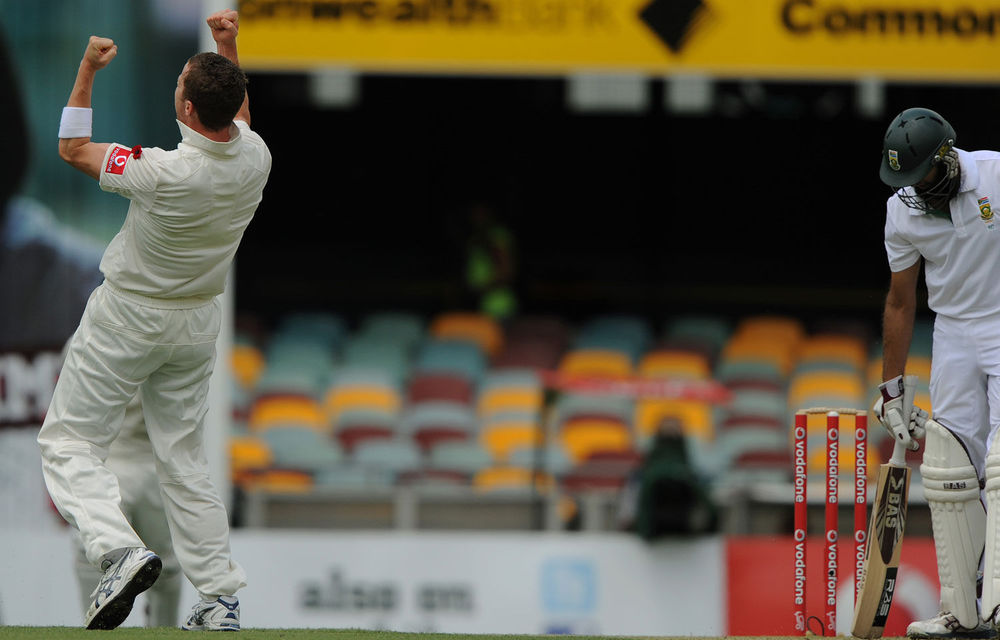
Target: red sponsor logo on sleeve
column 117, row 160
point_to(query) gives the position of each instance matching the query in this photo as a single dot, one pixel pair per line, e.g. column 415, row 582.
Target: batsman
column 940, row 215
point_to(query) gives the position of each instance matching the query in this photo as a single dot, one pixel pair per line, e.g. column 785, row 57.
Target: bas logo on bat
column 891, row 517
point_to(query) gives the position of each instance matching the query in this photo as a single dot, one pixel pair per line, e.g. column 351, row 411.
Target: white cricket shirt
column 189, row 208
column 961, row 256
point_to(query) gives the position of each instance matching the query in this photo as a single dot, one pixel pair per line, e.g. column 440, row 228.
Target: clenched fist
column 224, row 24
column 100, row 51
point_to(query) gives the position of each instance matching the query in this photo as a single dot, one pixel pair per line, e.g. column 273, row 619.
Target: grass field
column 76, row 633
column 128, row 633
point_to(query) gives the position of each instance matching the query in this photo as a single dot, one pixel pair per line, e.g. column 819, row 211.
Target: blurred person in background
column 47, row 272
column 940, row 216
column 490, row 263
column 151, row 328
column 666, row 495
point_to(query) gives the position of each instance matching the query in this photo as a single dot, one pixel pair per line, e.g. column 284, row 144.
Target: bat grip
column 898, row 457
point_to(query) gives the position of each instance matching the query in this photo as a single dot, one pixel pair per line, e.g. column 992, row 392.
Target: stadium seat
column 247, row 363
column 479, row 329
column 604, row 470
column 551, row 330
column 506, row 400
column 396, row 455
column 583, row 436
column 351, row 435
column 461, row 358
column 465, row 457
column 533, row 353
column 711, row 330
column 365, row 390
column 301, row 448
column 248, row 456
column 597, row 363
column 431, row 423
column 501, row 435
column 570, row 405
column 804, row 389
column 832, row 349
column 281, row 481
column 696, row 417
column 663, row 363
column 625, row 333
column 552, row 459
column 315, row 327
column 267, row 411
column 437, row 386
column 399, row 328
column 513, row 480
column 376, row 354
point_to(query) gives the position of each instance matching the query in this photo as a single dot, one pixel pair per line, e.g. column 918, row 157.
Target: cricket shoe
column 221, row 614
column 945, row 625
column 123, row 580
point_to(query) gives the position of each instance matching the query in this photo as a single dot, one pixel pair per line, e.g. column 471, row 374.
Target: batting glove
column 918, row 418
column 889, row 410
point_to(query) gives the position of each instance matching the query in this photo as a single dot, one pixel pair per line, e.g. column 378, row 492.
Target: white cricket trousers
column 965, row 381
column 165, row 350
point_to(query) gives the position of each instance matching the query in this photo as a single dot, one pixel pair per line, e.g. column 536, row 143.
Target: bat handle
column 898, row 457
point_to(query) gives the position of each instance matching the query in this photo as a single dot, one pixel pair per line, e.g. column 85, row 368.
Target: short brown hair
column 216, row 87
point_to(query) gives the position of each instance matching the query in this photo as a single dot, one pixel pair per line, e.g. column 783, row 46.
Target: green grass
column 128, row 633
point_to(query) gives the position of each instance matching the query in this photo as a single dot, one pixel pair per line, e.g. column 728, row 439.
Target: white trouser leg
column 951, row 487
column 131, row 459
column 83, row 418
column 174, row 404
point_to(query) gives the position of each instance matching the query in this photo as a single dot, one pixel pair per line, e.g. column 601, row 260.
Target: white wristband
column 76, row 122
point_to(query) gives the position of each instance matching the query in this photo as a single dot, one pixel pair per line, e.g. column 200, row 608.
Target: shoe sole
column 116, row 610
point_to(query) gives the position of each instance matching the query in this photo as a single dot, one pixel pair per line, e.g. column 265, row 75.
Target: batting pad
column 991, row 569
column 958, row 517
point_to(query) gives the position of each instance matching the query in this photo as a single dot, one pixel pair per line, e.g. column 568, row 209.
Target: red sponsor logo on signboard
column 756, row 561
column 117, row 160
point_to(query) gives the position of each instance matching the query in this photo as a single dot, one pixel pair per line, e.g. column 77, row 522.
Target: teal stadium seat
column 301, row 448
column 447, row 356
column 397, row 456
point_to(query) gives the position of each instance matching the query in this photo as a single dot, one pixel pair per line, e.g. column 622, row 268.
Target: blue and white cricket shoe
column 115, row 594
column 221, row 614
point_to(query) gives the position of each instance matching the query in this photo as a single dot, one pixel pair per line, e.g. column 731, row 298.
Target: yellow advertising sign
column 946, row 40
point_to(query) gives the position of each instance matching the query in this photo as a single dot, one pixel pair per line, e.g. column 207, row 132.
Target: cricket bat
column 885, row 537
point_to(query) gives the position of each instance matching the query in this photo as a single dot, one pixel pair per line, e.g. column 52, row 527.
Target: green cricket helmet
column 915, row 141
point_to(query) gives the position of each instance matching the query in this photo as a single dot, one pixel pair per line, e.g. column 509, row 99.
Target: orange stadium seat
column 664, row 363
column 510, row 399
column 479, row 328
column 804, row 389
column 834, row 348
column 247, row 364
column 502, row 436
column 602, row 363
column 695, row 416
column 283, row 409
column 350, row 396
column 583, row 436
